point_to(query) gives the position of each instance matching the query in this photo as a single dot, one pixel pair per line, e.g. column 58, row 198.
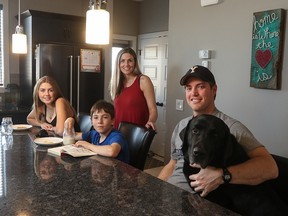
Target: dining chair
column 139, row 140
column 84, row 122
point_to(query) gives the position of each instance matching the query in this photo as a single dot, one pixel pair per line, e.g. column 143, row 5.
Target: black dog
column 208, row 142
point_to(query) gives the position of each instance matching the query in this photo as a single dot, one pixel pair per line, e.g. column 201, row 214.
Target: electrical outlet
column 179, row 104
column 205, row 64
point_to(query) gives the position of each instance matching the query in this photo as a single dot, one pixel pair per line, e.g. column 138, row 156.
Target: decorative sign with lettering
column 267, row 48
column 90, row 60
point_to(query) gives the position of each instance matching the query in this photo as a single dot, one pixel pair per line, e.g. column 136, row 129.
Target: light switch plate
column 204, row 54
column 208, row 2
column 179, row 104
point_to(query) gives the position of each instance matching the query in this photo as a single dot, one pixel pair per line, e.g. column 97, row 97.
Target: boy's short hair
column 103, row 105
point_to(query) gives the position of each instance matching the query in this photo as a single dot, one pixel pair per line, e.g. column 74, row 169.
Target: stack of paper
column 71, row 150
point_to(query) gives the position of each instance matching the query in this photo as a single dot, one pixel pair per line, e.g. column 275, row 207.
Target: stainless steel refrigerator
column 79, row 71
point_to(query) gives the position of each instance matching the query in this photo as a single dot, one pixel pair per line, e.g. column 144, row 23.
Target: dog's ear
column 183, row 137
column 229, row 148
column 182, row 134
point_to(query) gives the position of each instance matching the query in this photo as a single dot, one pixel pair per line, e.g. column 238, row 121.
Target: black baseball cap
column 199, row 72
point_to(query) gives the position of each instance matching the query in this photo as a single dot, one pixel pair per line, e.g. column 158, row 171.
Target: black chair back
column 139, row 141
column 84, row 122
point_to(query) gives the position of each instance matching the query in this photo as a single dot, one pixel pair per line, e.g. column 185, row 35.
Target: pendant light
column 19, row 39
column 97, row 23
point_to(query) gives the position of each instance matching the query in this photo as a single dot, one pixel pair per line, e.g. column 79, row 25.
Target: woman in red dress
column 132, row 92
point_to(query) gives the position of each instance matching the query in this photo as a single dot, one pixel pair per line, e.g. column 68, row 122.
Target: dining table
column 34, row 182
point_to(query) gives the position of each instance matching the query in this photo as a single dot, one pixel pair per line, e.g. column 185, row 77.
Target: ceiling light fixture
column 97, row 23
column 19, row 39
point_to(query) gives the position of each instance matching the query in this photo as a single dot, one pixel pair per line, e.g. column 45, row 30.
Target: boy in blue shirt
column 104, row 140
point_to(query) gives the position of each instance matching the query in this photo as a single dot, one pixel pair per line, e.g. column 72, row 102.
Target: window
column 2, row 151
column 4, row 44
column 115, row 50
column 1, row 47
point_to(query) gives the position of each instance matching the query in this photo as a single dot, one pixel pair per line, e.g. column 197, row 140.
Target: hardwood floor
column 154, row 171
column 153, row 164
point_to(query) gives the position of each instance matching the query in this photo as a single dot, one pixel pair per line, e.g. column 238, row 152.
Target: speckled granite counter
column 35, row 183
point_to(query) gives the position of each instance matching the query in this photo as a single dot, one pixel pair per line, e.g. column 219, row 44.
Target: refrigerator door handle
column 37, row 58
column 71, row 77
column 78, row 82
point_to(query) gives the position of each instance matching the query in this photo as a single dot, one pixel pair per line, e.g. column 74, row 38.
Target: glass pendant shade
column 19, row 41
column 97, row 26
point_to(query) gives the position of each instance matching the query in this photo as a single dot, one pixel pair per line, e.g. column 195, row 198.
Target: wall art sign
column 90, row 60
column 267, row 49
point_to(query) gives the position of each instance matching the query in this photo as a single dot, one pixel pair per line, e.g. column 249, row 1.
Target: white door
column 153, row 55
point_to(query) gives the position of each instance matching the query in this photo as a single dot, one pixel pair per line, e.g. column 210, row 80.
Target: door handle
column 78, row 82
column 71, row 77
column 159, row 104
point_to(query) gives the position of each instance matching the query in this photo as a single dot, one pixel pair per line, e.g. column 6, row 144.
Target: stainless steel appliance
column 77, row 70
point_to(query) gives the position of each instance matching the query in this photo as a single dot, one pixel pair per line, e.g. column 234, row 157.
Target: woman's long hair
column 117, row 78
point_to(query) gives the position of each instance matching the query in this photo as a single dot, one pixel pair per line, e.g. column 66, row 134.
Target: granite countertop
column 35, row 183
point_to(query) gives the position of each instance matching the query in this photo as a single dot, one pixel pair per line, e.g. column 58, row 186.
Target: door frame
column 160, row 138
column 132, row 40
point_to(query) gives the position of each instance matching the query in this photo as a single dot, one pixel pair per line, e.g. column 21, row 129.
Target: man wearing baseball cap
column 200, row 89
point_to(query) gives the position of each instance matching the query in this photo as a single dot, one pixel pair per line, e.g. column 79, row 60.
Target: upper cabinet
column 52, row 27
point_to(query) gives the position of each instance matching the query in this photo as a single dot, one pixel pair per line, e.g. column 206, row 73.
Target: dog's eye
column 214, row 133
column 195, row 131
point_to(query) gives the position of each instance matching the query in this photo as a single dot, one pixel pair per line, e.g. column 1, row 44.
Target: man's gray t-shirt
column 242, row 134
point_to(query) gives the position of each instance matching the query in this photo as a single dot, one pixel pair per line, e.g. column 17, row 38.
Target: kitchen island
column 36, row 183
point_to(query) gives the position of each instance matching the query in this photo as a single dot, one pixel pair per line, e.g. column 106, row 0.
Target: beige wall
column 226, row 29
column 154, row 16
column 134, row 18
column 126, row 17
